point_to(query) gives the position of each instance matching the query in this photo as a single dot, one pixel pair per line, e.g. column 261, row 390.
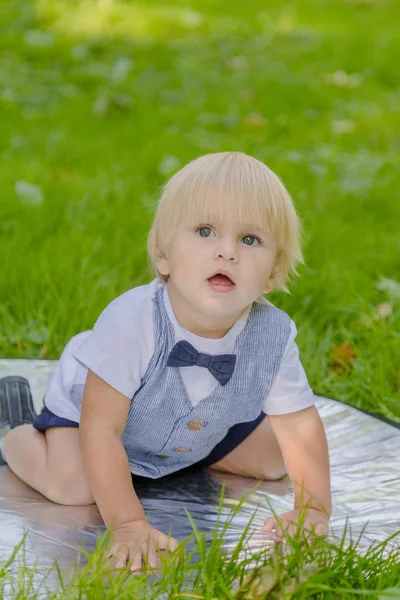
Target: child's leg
column 51, row 463
column 258, row 455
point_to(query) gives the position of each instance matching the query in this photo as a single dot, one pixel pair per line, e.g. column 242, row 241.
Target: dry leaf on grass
column 343, row 356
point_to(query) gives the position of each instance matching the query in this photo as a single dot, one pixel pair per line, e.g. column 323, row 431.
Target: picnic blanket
column 365, row 476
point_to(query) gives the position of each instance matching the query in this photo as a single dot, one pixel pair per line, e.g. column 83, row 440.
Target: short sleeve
column 114, row 348
column 290, row 391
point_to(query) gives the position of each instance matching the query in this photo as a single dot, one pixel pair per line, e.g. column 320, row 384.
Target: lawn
column 201, row 569
column 101, row 101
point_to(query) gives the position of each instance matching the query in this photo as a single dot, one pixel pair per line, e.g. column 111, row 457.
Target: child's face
column 197, row 251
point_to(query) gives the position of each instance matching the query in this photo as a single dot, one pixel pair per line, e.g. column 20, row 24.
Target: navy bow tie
column 221, row 366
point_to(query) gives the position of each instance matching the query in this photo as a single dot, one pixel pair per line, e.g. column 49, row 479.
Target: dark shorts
column 233, row 438
column 47, row 419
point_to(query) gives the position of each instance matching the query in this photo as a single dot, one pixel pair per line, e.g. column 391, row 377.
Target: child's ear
column 161, row 261
column 276, row 272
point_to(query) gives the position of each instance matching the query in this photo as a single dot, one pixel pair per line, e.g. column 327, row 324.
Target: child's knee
column 269, row 474
column 19, row 430
column 265, row 471
column 16, row 437
column 61, row 490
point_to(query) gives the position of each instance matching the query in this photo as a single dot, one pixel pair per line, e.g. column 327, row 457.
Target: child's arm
column 103, row 419
column 302, row 440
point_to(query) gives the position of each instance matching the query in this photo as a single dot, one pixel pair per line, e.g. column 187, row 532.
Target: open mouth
column 221, row 279
column 221, row 283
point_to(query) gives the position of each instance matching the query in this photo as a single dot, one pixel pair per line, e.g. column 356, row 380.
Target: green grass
column 201, row 568
column 102, row 101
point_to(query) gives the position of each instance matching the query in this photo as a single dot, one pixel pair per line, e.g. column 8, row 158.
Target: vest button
column 195, row 425
column 182, row 449
column 162, row 456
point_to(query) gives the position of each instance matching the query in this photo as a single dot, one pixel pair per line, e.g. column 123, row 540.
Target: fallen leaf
column 343, row 356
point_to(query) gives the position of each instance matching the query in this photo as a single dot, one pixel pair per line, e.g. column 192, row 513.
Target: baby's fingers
column 135, row 558
column 150, row 554
column 316, row 530
column 120, row 551
column 291, row 529
column 167, row 543
column 321, row 530
column 269, row 525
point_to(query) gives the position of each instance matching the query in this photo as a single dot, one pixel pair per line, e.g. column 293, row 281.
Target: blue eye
column 202, row 229
column 251, row 237
column 199, row 229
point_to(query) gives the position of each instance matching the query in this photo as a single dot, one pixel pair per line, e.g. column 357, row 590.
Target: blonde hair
column 214, row 185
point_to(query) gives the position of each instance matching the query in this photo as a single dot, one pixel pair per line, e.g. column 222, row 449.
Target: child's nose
column 227, row 249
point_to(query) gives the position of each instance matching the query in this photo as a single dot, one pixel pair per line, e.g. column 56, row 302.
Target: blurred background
column 103, row 100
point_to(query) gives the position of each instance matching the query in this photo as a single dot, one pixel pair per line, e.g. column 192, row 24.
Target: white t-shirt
column 121, row 344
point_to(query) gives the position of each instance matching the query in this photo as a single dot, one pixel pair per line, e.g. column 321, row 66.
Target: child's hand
column 315, row 520
column 134, row 539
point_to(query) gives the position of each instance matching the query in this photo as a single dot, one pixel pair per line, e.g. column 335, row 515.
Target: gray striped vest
column 164, row 432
